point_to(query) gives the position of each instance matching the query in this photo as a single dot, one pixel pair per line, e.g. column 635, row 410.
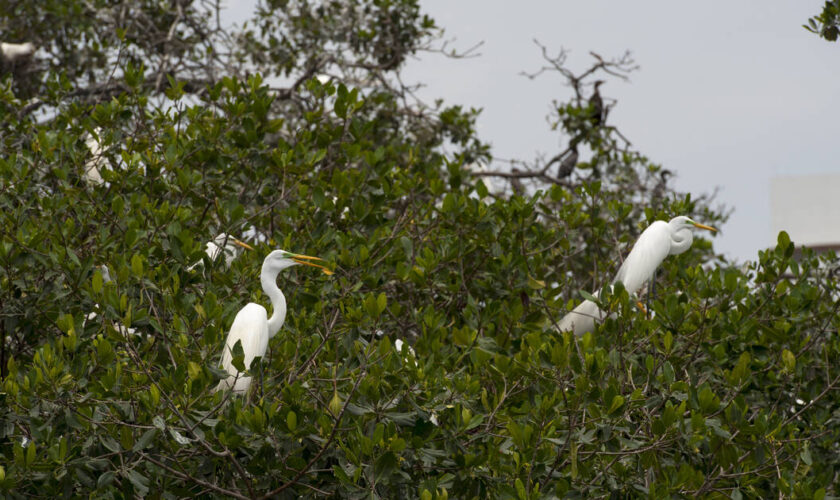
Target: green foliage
column 827, row 23
column 725, row 387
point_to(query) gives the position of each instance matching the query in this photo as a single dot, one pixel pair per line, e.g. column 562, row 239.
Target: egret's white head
column 227, row 244
column 281, row 259
column 681, row 235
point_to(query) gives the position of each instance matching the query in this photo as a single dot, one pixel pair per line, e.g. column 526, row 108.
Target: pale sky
column 729, row 94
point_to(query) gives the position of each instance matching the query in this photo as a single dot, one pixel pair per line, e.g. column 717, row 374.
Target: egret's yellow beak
column 304, row 259
column 241, row 244
column 703, row 226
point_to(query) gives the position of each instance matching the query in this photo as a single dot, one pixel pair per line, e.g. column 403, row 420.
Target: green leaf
column 145, row 440
column 137, row 265
column 105, row 479
column 381, row 303
column 335, row 404
column 805, row 455
column 617, row 402
column 397, row 445
column 667, row 342
column 139, row 481
column 668, row 372
column 708, row 401
column 535, row 284
column 449, row 203
column 110, row 444
column 30, row 454
column 481, row 189
column 520, row 489
column 588, row 296
column 788, row 360
column 238, row 361
column 97, row 281
column 179, row 438
column 126, row 438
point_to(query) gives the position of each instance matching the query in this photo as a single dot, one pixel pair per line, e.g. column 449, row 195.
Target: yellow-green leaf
column 789, row 360
column 335, row 404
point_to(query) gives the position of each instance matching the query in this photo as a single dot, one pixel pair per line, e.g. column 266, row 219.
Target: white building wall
column 807, row 207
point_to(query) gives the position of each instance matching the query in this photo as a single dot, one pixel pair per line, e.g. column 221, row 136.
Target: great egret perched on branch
column 223, row 244
column 658, row 241
column 252, row 326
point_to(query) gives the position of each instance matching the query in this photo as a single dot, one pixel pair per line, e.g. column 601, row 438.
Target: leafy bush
column 726, row 388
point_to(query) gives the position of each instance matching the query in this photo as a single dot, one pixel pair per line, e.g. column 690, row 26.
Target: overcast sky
column 729, row 94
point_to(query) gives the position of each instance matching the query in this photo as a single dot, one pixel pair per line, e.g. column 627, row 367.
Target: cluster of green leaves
column 724, row 388
column 827, row 23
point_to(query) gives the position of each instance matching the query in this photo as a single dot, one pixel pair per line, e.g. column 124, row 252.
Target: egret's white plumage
column 252, row 326
column 223, row 244
column 656, row 242
column 410, row 356
column 97, row 161
column 16, row 51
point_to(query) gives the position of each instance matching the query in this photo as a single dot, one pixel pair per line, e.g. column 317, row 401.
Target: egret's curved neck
column 268, row 278
column 681, row 241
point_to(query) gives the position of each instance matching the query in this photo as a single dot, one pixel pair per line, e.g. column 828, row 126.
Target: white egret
column 223, row 244
column 92, row 167
column 410, row 355
column 252, row 326
column 13, row 52
column 658, row 241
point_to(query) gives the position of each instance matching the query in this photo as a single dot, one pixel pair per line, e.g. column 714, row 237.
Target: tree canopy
column 139, row 130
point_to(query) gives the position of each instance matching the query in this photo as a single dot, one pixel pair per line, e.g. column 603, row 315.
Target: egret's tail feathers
column 239, row 385
column 582, row 318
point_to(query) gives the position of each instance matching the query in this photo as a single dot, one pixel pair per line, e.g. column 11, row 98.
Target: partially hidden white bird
column 96, row 162
column 223, row 244
column 252, row 326
column 410, row 355
column 13, row 52
column 656, row 242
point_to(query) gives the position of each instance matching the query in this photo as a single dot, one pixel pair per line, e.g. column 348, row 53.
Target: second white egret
column 223, row 244
column 656, row 242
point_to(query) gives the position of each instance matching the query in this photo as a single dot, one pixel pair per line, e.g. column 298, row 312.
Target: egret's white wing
column 251, row 328
column 212, row 250
column 649, row 251
column 582, row 318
